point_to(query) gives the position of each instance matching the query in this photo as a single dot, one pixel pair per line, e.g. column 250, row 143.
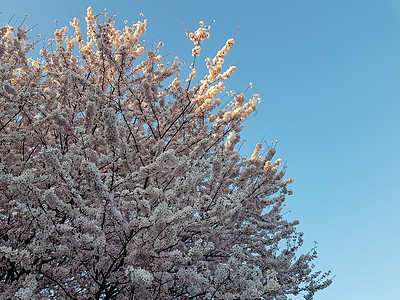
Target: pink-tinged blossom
column 119, row 180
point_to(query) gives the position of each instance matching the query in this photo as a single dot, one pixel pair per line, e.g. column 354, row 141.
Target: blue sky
column 328, row 73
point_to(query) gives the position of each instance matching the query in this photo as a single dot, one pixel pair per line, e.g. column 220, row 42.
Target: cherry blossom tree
column 121, row 180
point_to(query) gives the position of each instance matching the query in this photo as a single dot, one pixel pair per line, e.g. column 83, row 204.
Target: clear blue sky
column 328, row 73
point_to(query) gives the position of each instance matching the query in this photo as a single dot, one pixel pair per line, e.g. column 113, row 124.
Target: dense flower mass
column 115, row 185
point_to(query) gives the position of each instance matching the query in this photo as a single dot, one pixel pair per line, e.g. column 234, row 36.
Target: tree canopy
column 121, row 180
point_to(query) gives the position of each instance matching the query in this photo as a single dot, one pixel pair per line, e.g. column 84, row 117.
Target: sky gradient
column 328, row 73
